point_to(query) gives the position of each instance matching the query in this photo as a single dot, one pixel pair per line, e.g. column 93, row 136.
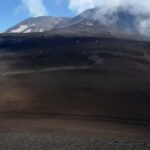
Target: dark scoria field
column 73, row 77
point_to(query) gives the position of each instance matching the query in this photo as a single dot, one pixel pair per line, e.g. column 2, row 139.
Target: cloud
column 35, row 7
column 19, row 10
column 78, row 6
column 135, row 7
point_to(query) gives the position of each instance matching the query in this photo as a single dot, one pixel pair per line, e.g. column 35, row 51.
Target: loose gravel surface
column 28, row 141
column 29, row 132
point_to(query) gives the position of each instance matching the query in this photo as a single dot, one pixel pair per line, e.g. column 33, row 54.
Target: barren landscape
column 40, row 132
column 74, row 93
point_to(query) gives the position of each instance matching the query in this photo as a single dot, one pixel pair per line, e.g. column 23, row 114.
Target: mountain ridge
column 36, row 24
column 92, row 21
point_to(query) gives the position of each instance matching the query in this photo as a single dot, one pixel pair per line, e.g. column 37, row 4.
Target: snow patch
column 33, row 25
column 89, row 24
column 41, row 30
column 28, row 31
column 20, row 29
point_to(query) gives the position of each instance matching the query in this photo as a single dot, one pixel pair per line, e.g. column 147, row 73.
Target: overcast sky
column 14, row 11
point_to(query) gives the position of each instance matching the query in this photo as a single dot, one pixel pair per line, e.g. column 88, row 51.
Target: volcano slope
column 91, row 78
column 75, row 75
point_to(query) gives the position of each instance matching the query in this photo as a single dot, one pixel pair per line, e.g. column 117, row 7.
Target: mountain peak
column 96, row 20
column 37, row 24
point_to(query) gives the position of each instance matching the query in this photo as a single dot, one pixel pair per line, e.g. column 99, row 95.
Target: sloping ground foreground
column 74, row 93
